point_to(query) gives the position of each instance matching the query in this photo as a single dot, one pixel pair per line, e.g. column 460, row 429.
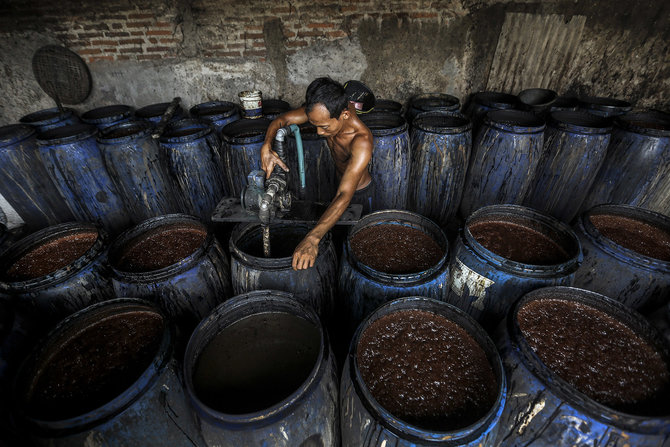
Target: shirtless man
column 327, row 107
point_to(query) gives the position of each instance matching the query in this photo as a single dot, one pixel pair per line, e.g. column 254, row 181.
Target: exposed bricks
column 158, row 32
column 320, row 25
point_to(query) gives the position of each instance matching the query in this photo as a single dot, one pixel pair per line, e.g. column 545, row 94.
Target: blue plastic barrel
column 279, row 389
column 505, row 156
column 485, row 284
column 106, row 116
column 362, row 288
column 387, row 106
column 242, row 141
column 57, row 271
column 544, row 410
column 193, row 153
column 606, row 107
column 138, row 169
column 154, row 112
column 366, row 423
column 50, row 118
column 74, row 163
column 429, row 102
column 390, row 165
column 217, row 113
column 272, row 108
column 186, row 271
column 321, row 179
column 575, row 145
column 128, row 389
column 24, row 181
column 636, row 170
column 250, row 270
column 617, row 270
column 481, row 103
column 441, row 145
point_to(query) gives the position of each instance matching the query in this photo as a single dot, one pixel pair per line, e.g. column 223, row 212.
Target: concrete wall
column 143, row 52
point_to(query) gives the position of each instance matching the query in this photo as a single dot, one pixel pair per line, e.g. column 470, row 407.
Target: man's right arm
column 269, row 158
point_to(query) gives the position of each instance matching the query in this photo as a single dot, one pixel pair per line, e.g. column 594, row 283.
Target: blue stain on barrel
column 106, row 116
column 107, row 373
column 74, row 163
column 626, row 254
column 251, row 270
column 421, row 372
column 391, row 254
column 583, row 370
column 574, row 149
column 260, row 371
column 637, row 165
column 390, row 166
column 505, row 155
column 50, row 118
column 242, row 141
column 24, row 181
column 605, row 107
column 138, row 169
column 321, row 179
column 154, row 112
column 441, row 144
column 193, row 153
column 429, row 102
column 272, row 108
column 504, row 251
column 218, row 113
column 176, row 262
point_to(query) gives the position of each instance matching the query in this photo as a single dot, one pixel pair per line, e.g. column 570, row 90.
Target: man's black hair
column 327, row 92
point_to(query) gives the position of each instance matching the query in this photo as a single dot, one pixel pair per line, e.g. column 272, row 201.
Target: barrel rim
column 393, row 123
column 107, row 114
column 580, row 122
column 142, row 128
column 620, row 252
column 66, row 134
column 233, row 310
column 46, row 116
column 520, row 268
column 389, row 105
column 230, row 131
column 561, row 387
column 515, row 121
column 565, row 103
column 605, row 104
column 14, row 252
column 12, row 134
column 152, row 223
column 461, row 123
column 423, row 102
column 121, row 402
column 472, row 328
column 404, row 218
column 285, row 263
column 205, row 110
column 204, row 128
column 630, row 122
column 496, row 100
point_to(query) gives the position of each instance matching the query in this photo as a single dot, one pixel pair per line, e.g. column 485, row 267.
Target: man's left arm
column 307, row 250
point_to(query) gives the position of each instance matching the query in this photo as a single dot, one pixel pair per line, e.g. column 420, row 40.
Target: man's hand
column 305, row 253
column 269, row 159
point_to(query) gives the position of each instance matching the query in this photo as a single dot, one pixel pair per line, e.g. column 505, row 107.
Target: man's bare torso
column 340, row 150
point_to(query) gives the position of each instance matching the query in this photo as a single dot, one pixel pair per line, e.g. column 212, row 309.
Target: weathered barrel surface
column 218, row 113
column 106, row 116
column 242, row 141
column 429, row 102
column 50, row 118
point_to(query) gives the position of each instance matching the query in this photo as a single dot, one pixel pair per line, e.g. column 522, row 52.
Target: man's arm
column 269, row 158
column 306, row 252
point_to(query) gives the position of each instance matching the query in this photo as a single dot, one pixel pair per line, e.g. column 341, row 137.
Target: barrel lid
column 442, row 122
column 213, row 110
column 66, row 134
column 13, row 133
column 186, row 130
column 611, row 106
column 647, row 123
column 46, row 116
column 107, row 114
column 125, row 131
column 435, row 101
column 516, row 121
column 579, row 121
column 246, row 130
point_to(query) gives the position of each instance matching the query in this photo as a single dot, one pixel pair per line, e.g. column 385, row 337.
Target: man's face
column 325, row 125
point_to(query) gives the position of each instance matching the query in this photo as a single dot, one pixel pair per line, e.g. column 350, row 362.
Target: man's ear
column 346, row 114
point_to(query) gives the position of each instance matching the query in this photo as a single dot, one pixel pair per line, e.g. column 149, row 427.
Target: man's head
column 326, row 105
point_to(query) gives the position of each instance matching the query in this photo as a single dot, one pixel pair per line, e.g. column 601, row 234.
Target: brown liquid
column 256, row 362
column 160, row 248
column 426, row 370
column 283, row 241
column 93, row 366
column 598, row 355
column 51, row 256
column 518, row 243
column 396, row 249
column 643, row 238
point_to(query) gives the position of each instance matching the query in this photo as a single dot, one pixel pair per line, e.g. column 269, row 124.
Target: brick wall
column 120, row 30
